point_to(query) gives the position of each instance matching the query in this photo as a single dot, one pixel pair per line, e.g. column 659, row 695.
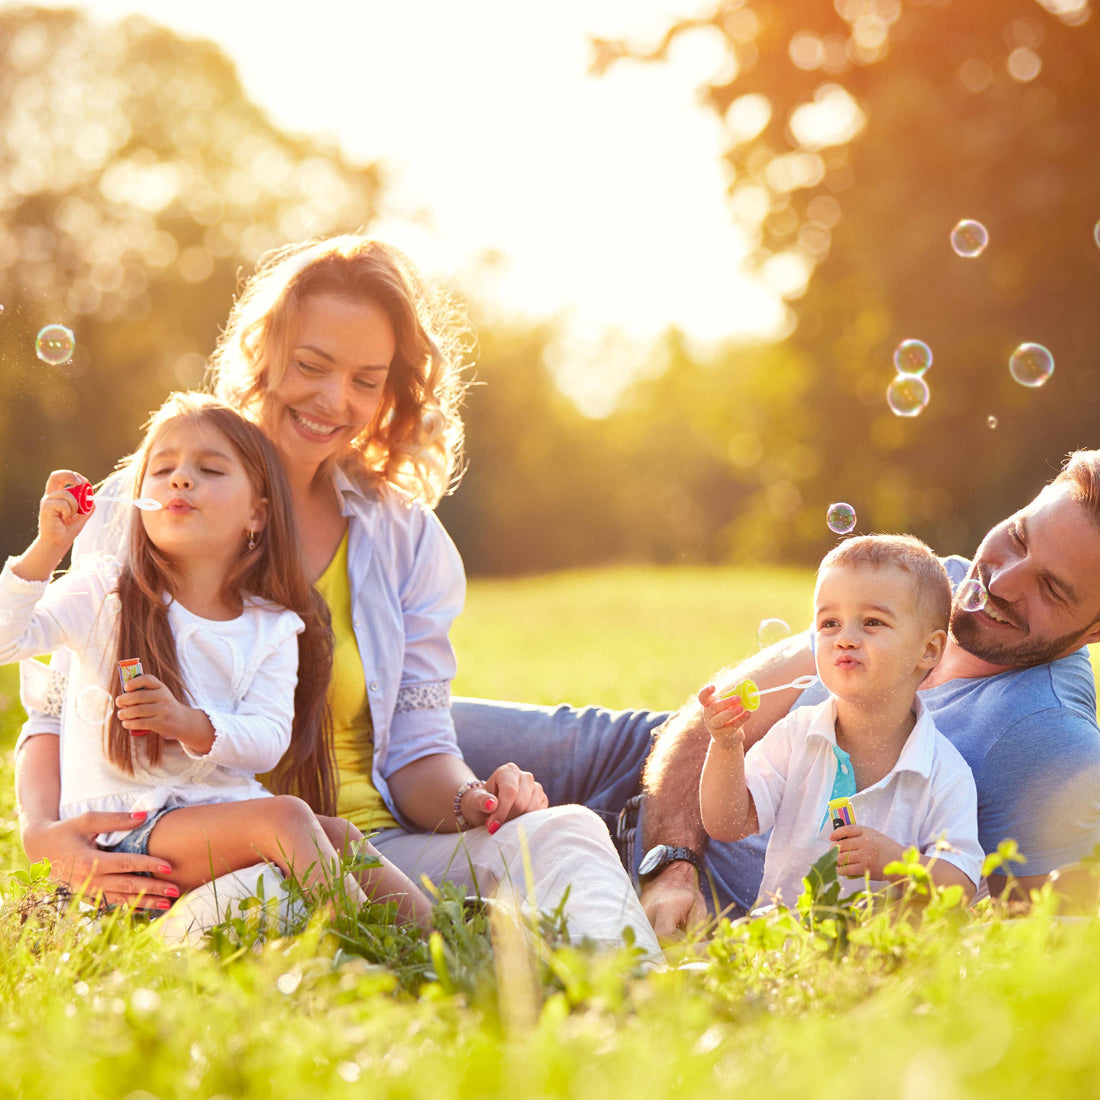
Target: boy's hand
column 863, row 851
column 147, row 706
column 724, row 718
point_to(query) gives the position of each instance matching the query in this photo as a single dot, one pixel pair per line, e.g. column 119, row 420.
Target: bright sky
column 603, row 198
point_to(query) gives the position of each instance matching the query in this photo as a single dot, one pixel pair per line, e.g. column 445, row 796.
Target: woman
column 337, row 351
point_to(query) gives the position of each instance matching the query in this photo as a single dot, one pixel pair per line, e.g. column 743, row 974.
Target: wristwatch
column 661, row 855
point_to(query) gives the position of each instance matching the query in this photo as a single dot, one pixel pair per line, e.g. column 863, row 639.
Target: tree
column 860, row 132
column 136, row 180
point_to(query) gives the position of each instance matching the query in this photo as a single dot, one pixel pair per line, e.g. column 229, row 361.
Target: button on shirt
column 928, row 794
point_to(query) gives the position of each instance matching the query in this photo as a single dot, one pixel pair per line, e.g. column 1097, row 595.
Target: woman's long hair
column 415, row 441
column 271, row 570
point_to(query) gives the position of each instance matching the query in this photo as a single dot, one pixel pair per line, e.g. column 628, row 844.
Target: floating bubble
column 94, row 704
column 1031, row 365
column 912, row 357
column 841, row 518
column 991, row 421
column 55, row 345
column 969, row 238
column 772, row 631
column 1095, row 237
column 907, row 395
column 971, row 594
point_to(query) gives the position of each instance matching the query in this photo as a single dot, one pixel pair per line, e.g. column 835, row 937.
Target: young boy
column 880, row 617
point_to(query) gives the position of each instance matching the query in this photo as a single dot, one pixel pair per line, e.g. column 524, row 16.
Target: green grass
column 956, row 1006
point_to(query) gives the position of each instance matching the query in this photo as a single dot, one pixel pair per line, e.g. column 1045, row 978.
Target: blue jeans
column 594, row 757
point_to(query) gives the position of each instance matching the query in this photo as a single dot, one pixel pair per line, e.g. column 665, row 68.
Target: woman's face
column 334, row 382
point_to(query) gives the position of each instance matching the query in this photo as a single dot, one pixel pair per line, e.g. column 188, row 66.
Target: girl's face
column 208, row 503
column 335, row 381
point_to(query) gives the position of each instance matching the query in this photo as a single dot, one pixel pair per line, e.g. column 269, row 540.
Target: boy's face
column 872, row 641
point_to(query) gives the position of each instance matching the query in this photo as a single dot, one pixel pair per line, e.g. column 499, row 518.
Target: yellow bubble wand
column 749, row 693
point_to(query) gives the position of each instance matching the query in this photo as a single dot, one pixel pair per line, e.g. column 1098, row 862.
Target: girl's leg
column 385, row 883
column 203, row 842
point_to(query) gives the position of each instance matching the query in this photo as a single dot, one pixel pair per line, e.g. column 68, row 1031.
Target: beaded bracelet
column 469, row 785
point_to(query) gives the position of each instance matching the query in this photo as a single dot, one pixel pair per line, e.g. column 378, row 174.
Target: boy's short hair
column 931, row 585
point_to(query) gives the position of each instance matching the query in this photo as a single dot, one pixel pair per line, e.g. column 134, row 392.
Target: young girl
column 212, row 600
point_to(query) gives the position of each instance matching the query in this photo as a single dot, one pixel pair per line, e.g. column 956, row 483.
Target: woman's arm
column 425, row 793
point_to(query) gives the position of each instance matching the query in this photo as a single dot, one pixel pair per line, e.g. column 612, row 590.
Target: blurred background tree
column 859, row 132
column 138, row 182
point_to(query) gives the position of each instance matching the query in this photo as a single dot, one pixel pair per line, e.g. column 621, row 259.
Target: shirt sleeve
column 767, row 767
column 432, row 593
column 253, row 736
column 1040, row 786
column 953, row 820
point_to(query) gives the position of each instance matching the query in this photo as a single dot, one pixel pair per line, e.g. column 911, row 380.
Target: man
column 1014, row 693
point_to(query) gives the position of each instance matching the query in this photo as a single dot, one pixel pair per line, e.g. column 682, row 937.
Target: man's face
column 1041, row 568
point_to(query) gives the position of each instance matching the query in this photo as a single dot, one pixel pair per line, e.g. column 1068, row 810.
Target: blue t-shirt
column 1031, row 739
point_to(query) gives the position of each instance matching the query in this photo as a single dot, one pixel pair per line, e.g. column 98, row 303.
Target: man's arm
column 672, row 898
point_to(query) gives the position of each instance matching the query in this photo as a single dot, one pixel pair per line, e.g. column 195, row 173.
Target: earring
column 251, row 539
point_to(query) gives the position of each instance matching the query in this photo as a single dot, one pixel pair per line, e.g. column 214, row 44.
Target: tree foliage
column 859, row 132
column 136, row 181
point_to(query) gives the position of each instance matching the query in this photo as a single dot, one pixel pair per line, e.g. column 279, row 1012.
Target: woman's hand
column 76, row 862
column 508, row 793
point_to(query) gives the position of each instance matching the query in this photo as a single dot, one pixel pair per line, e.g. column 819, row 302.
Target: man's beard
column 968, row 635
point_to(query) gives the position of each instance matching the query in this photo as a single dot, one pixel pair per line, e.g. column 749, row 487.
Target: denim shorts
column 136, row 841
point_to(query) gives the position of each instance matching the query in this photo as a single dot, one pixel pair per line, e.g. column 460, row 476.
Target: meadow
column 986, row 1003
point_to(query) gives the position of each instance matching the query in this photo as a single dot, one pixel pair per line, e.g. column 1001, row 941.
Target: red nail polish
column 493, row 826
column 490, row 804
column 171, row 891
column 164, row 869
column 164, row 904
column 140, row 815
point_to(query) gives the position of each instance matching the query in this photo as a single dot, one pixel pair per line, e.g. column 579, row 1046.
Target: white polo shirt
column 928, row 794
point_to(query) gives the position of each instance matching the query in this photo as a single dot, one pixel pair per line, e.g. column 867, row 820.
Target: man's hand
column 673, row 901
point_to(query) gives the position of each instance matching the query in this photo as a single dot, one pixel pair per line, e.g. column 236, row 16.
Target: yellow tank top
column 358, row 800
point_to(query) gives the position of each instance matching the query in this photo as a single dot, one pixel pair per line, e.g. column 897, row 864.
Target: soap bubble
column 772, row 631
column 971, row 594
column 1095, row 235
column 912, row 357
column 991, row 421
column 55, row 345
column 969, row 238
column 907, row 395
column 1031, row 365
column 93, row 704
column 841, row 518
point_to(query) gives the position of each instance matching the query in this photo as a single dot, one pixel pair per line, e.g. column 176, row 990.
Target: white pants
column 568, row 848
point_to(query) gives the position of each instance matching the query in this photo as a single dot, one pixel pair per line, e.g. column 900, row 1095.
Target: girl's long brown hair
column 272, row 571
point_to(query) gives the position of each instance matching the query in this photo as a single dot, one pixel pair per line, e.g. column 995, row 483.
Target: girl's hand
column 59, row 522
column 724, row 718
column 509, row 792
column 59, row 516
column 147, row 706
column 863, row 851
